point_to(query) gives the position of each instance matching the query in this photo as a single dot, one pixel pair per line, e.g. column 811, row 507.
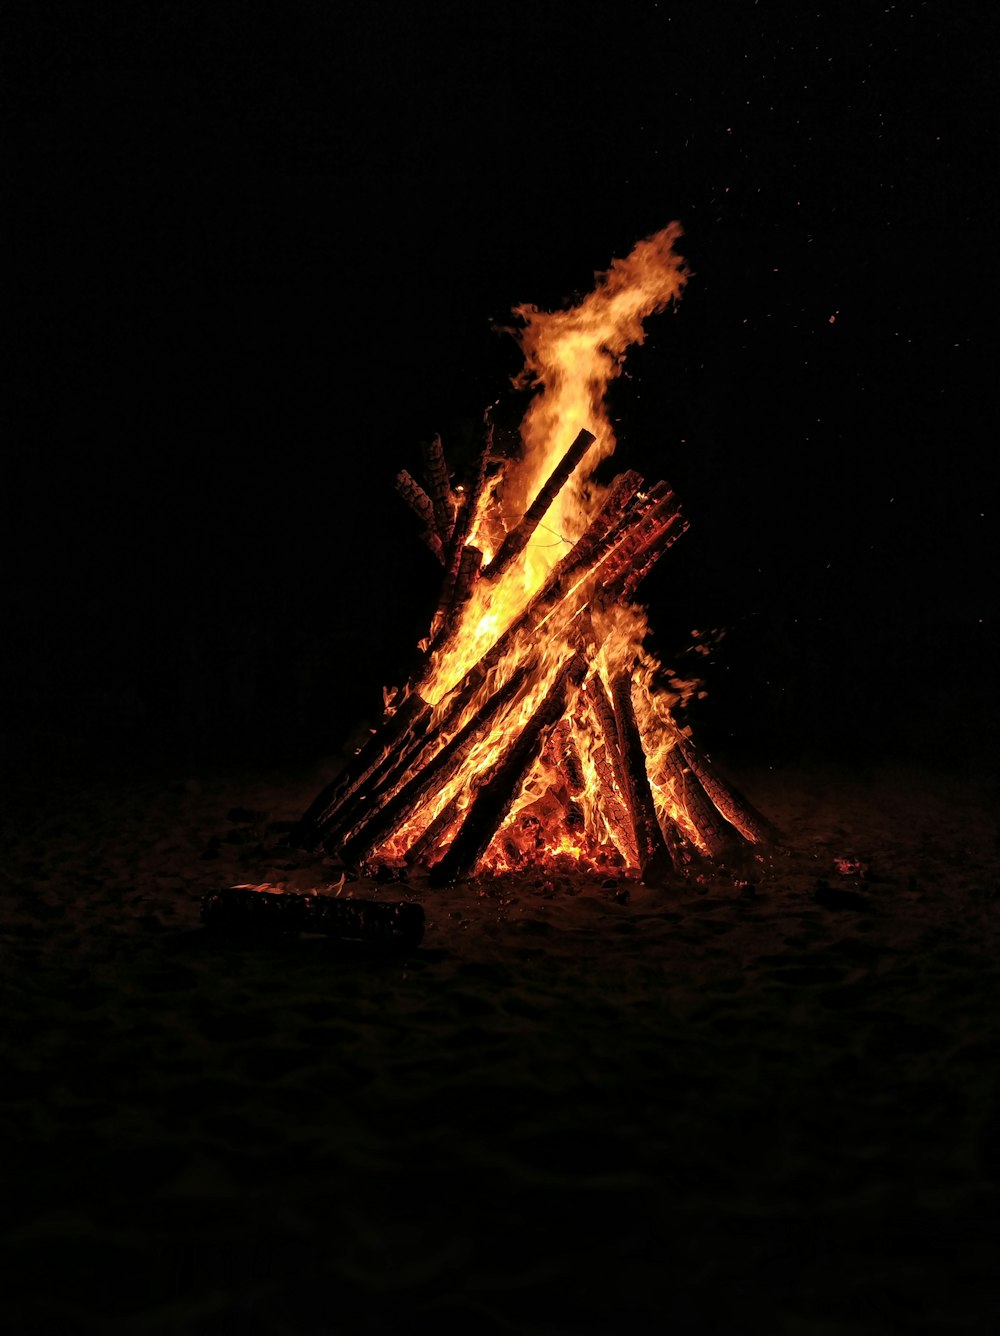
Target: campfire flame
column 539, row 731
column 570, row 358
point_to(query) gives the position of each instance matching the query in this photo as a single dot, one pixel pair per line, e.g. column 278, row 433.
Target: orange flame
column 571, row 356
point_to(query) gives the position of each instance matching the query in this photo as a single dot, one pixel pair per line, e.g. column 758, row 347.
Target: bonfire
column 539, row 729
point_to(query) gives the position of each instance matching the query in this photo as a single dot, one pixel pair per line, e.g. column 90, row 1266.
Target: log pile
column 545, row 743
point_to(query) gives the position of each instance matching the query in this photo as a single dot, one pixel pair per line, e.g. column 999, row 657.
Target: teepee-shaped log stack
column 539, row 730
column 489, row 773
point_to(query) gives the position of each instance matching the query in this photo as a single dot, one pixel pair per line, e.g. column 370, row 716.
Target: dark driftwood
column 655, row 859
column 517, row 539
column 494, row 798
column 382, row 823
column 247, row 911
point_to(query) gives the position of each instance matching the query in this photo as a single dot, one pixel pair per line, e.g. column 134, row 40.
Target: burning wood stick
column 455, row 595
column 382, row 823
column 567, row 575
column 517, row 539
column 412, row 716
column 494, row 798
column 448, row 604
column 654, row 856
column 250, row 910
column 434, row 832
column 638, row 537
column 613, row 775
column 598, row 554
column 731, row 803
column 438, row 482
column 422, row 506
column 705, row 818
column 567, row 761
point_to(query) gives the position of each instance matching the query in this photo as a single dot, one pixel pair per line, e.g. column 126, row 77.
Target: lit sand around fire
column 708, row 1111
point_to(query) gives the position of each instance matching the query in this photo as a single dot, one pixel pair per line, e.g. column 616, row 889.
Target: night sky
column 256, row 254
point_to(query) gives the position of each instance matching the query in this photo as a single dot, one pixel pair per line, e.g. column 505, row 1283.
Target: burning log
column 386, row 819
column 567, row 577
column 740, row 813
column 655, row 858
column 567, row 761
column 517, row 539
column 494, row 798
column 706, row 820
column 434, row 833
column 607, row 727
column 455, row 595
column 252, row 911
column 438, row 481
column 422, row 506
column 462, row 565
column 412, row 717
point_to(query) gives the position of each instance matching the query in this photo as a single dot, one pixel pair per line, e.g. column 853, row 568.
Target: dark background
column 255, row 254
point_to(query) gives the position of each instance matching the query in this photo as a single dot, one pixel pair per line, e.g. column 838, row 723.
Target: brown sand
column 563, row 1113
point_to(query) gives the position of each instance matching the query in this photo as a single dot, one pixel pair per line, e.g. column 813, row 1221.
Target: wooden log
column 438, row 481
column 649, row 531
column 250, row 911
column 471, row 496
column 566, row 577
column 567, row 761
column 383, row 822
column 456, row 555
column 418, row 500
column 422, row 849
column 613, row 796
column 518, row 537
column 495, row 796
column 412, row 716
column 707, row 821
column 737, row 810
column 374, row 790
column 655, row 859
column 449, row 613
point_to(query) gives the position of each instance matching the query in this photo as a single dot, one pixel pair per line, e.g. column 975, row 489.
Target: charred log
column 247, row 911
column 438, row 480
column 655, row 859
column 517, row 539
column 705, row 818
column 383, row 822
column 424, row 845
column 412, row 716
column 737, row 810
column 458, row 594
column 420, row 503
column 494, row 798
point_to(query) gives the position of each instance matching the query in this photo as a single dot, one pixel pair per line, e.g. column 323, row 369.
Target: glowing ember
column 535, row 733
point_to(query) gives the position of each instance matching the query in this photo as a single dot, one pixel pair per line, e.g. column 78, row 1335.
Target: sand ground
column 689, row 1112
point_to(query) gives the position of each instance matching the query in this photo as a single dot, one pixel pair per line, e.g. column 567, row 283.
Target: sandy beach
column 577, row 1106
